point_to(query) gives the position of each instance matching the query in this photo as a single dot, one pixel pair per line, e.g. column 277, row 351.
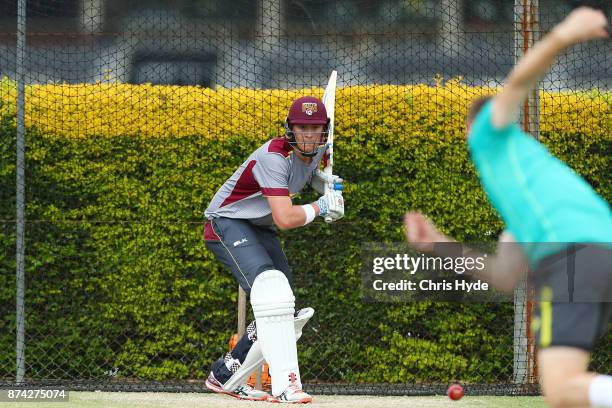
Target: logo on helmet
column 309, row 108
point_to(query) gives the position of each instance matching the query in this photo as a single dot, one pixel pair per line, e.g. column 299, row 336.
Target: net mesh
column 136, row 111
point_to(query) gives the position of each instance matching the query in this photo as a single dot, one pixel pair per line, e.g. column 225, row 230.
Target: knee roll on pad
column 271, row 295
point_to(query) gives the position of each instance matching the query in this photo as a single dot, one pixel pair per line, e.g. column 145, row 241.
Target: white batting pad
column 254, row 358
column 273, row 306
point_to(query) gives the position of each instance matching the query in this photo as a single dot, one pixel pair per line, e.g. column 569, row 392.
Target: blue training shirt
column 540, row 199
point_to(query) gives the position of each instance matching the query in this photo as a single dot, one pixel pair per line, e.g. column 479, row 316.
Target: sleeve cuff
column 275, row 192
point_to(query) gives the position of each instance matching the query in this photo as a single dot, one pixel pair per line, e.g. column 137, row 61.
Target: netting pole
column 270, row 28
column 92, row 14
column 20, row 195
column 526, row 17
column 451, row 25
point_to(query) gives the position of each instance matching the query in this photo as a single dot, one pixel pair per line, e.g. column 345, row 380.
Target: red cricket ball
column 455, row 392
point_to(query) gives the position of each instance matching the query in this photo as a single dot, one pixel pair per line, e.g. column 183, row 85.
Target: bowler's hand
column 421, row 233
column 582, row 24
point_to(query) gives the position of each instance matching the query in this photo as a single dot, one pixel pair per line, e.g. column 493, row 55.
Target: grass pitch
column 193, row 400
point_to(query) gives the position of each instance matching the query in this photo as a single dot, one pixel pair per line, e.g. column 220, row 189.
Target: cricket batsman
column 561, row 227
column 240, row 231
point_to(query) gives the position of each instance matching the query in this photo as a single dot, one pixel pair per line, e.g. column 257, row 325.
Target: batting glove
column 332, row 205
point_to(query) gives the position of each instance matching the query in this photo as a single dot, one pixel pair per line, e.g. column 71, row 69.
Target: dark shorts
column 246, row 249
column 574, row 297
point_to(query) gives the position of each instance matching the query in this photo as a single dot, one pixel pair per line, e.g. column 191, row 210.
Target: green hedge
column 118, row 276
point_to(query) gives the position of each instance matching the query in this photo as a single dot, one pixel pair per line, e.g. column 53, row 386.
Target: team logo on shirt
column 309, row 108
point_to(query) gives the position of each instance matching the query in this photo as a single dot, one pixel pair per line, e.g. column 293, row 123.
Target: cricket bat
column 329, row 100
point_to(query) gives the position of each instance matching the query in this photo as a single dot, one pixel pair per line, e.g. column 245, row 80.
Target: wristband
column 310, row 213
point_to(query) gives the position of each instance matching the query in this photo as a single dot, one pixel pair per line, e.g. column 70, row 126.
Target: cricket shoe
column 292, row 395
column 243, row 392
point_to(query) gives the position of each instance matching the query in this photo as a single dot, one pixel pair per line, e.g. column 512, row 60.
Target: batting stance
column 560, row 226
column 240, row 231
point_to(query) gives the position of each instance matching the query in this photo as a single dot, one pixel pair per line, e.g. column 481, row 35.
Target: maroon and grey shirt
column 271, row 170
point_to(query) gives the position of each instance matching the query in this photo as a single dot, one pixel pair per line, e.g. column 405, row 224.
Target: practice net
column 137, row 111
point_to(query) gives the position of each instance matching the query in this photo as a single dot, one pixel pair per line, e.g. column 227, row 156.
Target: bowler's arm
column 581, row 25
column 502, row 270
column 505, row 268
